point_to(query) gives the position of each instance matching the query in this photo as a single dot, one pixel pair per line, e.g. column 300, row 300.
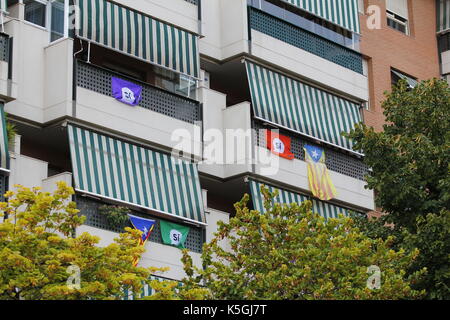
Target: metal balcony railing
column 4, row 47
column 90, row 209
column 305, row 40
column 98, row 79
column 336, row 161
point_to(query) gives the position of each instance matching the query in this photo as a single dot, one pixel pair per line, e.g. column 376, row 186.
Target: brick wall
column 415, row 54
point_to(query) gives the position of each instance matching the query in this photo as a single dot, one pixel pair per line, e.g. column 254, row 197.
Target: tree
column 291, row 253
column 409, row 164
column 39, row 251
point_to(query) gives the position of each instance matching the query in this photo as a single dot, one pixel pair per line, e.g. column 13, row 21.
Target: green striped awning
column 113, row 169
column 128, row 31
column 299, row 107
column 343, row 13
column 325, row 209
column 442, row 15
column 4, row 154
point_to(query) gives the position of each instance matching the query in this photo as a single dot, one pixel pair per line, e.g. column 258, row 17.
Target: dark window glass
column 35, row 12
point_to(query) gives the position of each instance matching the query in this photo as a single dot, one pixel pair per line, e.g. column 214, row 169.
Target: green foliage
column 115, row 215
column 410, row 175
column 38, row 244
column 291, row 253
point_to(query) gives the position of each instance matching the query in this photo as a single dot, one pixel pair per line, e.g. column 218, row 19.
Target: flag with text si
column 173, row 234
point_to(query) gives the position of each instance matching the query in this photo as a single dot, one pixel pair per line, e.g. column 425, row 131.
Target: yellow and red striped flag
column 319, row 180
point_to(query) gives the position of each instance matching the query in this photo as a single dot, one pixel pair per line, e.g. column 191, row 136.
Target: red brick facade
column 415, row 54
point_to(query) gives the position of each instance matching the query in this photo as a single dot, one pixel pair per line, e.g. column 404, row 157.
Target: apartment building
column 215, row 78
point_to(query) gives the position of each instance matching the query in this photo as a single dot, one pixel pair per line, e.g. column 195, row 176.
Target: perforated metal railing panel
column 90, row 209
column 305, row 40
column 3, row 187
column 4, row 47
column 337, row 161
column 99, row 80
column 192, row 1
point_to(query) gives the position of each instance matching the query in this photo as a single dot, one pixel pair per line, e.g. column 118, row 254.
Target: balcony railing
column 98, row 79
column 90, row 209
column 4, row 47
column 306, row 40
column 336, row 161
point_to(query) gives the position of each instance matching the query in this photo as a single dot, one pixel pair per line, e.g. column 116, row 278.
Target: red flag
column 279, row 144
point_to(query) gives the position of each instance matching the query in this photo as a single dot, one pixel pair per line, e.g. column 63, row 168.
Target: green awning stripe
column 325, row 209
column 117, row 170
column 343, row 13
column 442, row 15
column 4, row 153
column 299, row 107
column 128, row 31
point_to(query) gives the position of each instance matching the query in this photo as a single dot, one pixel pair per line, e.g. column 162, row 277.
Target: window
column 52, row 15
column 174, row 82
column 35, row 12
column 397, row 15
column 396, row 76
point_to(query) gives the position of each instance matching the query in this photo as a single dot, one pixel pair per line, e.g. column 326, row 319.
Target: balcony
column 8, row 89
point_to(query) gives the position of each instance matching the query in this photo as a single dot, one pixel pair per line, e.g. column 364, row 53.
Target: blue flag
column 144, row 225
column 125, row 91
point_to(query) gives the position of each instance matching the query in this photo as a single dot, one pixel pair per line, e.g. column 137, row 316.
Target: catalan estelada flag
column 279, row 144
column 144, row 225
column 319, row 180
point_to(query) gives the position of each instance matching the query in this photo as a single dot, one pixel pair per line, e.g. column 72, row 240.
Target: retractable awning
column 113, row 169
column 343, row 13
column 325, row 209
column 298, row 107
column 442, row 15
column 128, row 31
column 4, row 154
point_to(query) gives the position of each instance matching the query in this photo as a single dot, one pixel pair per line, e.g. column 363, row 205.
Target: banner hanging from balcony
column 126, row 91
column 144, row 225
column 325, row 209
column 442, row 15
column 343, row 13
column 279, row 144
column 320, row 182
column 298, row 107
column 128, row 31
column 173, row 234
column 4, row 154
column 113, row 169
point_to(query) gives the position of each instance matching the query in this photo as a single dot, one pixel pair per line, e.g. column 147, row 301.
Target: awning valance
column 343, row 13
column 325, row 209
column 128, row 31
column 113, row 169
column 299, row 107
column 443, row 15
column 4, row 154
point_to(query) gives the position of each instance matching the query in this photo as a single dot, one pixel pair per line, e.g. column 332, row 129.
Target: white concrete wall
column 28, row 69
column 26, row 171
column 58, row 79
column 177, row 12
column 8, row 88
column 50, row 184
column 135, row 121
column 159, row 255
column 295, row 173
column 224, row 25
column 309, row 66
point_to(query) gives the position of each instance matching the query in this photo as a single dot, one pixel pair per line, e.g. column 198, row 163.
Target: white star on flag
column 315, row 154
